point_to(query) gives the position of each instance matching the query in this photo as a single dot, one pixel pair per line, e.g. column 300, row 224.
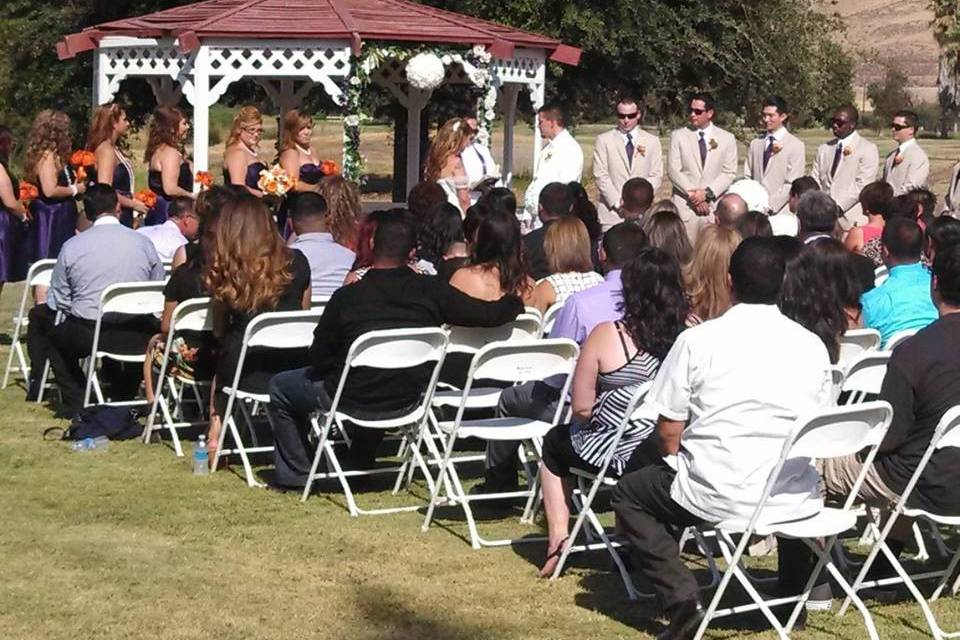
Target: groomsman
column 907, row 166
column 845, row 165
column 621, row 154
column 778, row 157
column 702, row 163
column 561, row 159
column 951, row 201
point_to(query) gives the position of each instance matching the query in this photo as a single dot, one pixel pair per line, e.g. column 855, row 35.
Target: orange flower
column 83, row 158
column 329, row 168
column 205, row 179
column 81, row 174
column 147, row 197
column 28, row 192
column 271, row 187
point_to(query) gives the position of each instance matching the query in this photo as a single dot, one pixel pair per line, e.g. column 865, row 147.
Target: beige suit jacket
column 857, row 169
column 611, row 169
column 686, row 172
column 783, row 168
column 951, row 201
column 912, row 172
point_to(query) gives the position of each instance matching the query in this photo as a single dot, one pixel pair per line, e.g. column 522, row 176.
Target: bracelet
column 73, row 189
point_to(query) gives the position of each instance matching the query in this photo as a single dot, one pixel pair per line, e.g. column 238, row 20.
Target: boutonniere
column 547, row 155
column 640, row 151
column 776, row 148
column 897, row 159
column 847, row 151
column 713, row 143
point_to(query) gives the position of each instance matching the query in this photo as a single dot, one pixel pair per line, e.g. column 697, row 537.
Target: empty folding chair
column 38, row 276
column 390, row 349
column 864, row 377
column 195, row 315
column 947, row 434
column 856, row 342
column 899, row 338
column 276, row 330
column 549, row 318
column 131, row 299
column 508, row 363
column 830, row 433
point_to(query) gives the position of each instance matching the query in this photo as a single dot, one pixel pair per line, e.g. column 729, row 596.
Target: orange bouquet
column 275, row 181
column 80, row 160
column 28, row 192
column 204, row 179
column 147, row 197
column 329, row 168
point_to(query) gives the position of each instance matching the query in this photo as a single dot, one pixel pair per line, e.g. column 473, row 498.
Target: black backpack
column 116, row 423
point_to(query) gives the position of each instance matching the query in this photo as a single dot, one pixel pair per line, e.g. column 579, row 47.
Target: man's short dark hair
column 943, row 232
column 180, row 206
column 99, row 199
column 308, row 205
column 756, row 271
column 556, row 199
column 628, row 99
column 622, row 242
column 817, row 212
column 876, row 198
column 395, row 237
column 803, row 184
column 777, row 102
column 917, row 204
column 554, row 112
column 910, row 117
column 852, row 113
column 708, row 102
column 946, row 269
column 903, row 239
column 637, row 194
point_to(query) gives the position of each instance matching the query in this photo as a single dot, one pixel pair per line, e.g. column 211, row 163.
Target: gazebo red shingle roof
column 354, row 20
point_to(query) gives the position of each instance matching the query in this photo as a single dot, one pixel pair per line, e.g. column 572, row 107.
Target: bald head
column 730, row 208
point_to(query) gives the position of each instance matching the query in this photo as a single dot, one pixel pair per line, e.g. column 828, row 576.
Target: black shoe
column 685, row 619
column 486, row 488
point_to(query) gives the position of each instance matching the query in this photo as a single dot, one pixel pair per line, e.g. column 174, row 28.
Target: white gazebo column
column 101, row 84
column 537, row 99
column 508, row 96
column 201, row 110
column 416, row 100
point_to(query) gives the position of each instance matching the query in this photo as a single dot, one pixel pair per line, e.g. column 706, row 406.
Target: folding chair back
column 855, row 342
column 319, row 302
column 899, row 338
column 167, row 267
column 865, row 377
column 524, row 362
column 524, row 328
column 38, row 275
column 549, row 318
column 880, row 275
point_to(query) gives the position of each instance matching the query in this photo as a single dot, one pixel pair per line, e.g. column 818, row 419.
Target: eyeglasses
column 253, row 129
column 627, row 116
column 697, row 112
column 898, row 127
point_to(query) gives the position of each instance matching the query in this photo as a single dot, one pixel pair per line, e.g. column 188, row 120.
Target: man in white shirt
column 778, row 157
column 727, row 395
column 561, row 159
column 329, row 262
column 785, row 222
column 907, row 166
column 477, row 160
column 180, row 227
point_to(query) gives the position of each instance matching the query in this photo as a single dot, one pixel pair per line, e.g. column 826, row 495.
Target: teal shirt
column 902, row 302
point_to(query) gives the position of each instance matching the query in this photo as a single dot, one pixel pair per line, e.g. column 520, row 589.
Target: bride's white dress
column 450, row 186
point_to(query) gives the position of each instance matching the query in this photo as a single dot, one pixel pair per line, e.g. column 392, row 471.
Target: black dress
column 158, row 214
column 192, row 352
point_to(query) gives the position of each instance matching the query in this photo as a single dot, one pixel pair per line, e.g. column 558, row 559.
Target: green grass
column 126, row 543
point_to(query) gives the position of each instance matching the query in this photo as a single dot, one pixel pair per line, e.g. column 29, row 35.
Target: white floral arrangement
column 425, row 71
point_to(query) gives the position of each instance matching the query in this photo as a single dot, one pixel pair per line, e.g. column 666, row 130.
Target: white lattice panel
column 526, row 66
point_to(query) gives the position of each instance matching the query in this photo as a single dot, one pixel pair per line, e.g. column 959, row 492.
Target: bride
column 444, row 164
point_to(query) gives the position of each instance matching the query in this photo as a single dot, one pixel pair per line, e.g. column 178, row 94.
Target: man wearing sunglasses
column 702, row 164
column 907, row 166
column 845, row 165
column 777, row 157
column 622, row 154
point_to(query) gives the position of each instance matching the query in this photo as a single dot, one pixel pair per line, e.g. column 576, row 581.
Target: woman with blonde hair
column 567, row 246
column 168, row 172
column 706, row 277
column 444, row 165
column 113, row 167
column 241, row 163
column 344, row 214
column 46, row 164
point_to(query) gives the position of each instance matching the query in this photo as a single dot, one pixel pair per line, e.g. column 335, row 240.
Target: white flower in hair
column 425, row 71
column 456, row 126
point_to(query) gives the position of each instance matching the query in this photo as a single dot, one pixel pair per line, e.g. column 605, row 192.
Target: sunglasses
column 837, row 122
column 899, row 127
column 697, row 112
column 627, row 116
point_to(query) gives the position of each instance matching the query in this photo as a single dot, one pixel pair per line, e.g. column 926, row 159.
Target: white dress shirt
column 741, row 380
column 561, row 160
column 165, row 237
column 478, row 163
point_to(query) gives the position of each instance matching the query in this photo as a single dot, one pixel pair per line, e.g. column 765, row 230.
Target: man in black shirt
column 390, row 296
column 555, row 202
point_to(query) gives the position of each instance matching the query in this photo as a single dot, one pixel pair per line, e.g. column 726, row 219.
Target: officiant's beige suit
column 912, row 171
column 783, row 167
column 611, row 170
column 687, row 173
column 858, row 168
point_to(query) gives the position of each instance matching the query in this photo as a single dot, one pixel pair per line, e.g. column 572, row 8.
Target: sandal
column 552, row 556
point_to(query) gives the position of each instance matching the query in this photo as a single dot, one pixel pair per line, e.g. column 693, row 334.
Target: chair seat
column 499, row 428
column 827, row 522
column 121, row 357
column 247, row 395
column 387, row 423
column 939, row 519
column 590, row 475
column 479, row 398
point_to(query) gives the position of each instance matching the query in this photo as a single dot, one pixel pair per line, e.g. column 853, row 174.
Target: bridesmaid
column 296, row 156
column 12, row 215
column 168, row 172
column 54, row 212
column 241, row 166
column 108, row 127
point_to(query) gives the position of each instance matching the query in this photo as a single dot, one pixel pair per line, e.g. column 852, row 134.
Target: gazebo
column 288, row 46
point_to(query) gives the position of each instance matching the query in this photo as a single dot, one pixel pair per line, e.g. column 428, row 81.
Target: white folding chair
column 864, row 377
column 947, row 434
column 194, row 315
column 167, row 267
column 549, row 318
column 319, row 302
column 276, row 330
column 830, row 433
column 128, row 298
column 899, row 338
column 509, row 363
column 38, row 275
column 856, row 342
column 390, row 349
column 880, row 275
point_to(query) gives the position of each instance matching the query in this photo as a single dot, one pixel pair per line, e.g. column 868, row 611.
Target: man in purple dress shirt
column 580, row 314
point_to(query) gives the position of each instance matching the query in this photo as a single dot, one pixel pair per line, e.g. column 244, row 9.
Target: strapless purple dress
column 158, row 214
column 54, row 222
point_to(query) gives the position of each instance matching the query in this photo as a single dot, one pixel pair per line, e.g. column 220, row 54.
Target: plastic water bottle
column 91, row 444
column 201, row 459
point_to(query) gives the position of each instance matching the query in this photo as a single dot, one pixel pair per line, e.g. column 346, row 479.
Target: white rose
column 457, row 58
column 490, row 100
column 446, row 60
column 352, row 121
column 479, row 49
column 425, row 71
column 489, row 114
column 355, row 81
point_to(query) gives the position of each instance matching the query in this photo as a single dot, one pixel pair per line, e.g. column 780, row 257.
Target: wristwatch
column 710, row 196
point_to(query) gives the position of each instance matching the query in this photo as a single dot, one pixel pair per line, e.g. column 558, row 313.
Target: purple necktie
column 836, row 159
column 768, row 152
column 703, row 150
column 629, row 150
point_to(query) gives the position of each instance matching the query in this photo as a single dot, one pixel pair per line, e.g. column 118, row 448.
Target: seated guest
column 730, row 208
column 496, row 266
column 344, row 213
column 390, row 296
column 423, row 199
column 706, row 277
column 107, row 253
column 586, row 211
column 616, row 357
column 903, row 301
column 365, row 246
column 567, row 247
column 180, row 227
column 441, row 241
column 580, row 314
column 665, row 231
column 918, row 204
column 817, row 215
column 876, row 200
column 329, row 261
column 663, row 205
column 943, row 232
column 555, row 201
column 636, row 198
column 727, row 395
column 753, row 224
column 785, row 222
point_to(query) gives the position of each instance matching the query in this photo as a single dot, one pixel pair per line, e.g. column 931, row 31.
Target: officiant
column 482, row 172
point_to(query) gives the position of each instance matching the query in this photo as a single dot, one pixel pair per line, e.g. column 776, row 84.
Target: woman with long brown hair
column 344, row 214
column 54, row 212
column 113, row 167
column 168, row 172
column 241, row 162
column 296, row 155
column 444, row 165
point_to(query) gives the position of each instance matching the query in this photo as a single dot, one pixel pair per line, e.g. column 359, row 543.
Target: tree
column 889, row 95
column 946, row 29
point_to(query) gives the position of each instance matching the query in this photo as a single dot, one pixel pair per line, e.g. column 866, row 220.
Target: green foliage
column 946, row 29
column 890, row 94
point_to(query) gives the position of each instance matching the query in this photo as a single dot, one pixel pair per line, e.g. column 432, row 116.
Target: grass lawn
column 126, row 543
